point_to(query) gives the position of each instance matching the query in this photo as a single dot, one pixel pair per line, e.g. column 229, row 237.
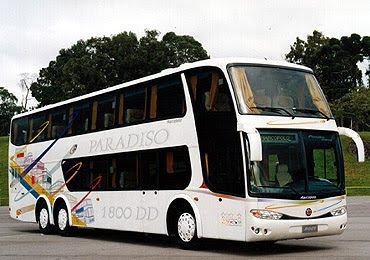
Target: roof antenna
column 265, row 58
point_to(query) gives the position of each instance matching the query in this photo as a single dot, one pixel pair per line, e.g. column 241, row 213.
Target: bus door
column 128, row 199
column 149, row 212
column 164, row 172
column 220, row 150
column 225, row 177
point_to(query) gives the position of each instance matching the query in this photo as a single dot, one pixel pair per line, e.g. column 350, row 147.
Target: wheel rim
column 62, row 219
column 44, row 218
column 186, row 227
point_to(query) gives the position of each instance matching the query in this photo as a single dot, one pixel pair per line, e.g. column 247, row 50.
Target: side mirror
column 255, row 143
column 357, row 139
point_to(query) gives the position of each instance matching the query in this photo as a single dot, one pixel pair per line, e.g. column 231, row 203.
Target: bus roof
column 215, row 62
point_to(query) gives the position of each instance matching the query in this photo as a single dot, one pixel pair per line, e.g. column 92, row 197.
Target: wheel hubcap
column 44, row 218
column 186, row 227
column 62, row 219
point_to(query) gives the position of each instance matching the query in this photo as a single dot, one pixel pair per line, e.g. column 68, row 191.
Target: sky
column 33, row 31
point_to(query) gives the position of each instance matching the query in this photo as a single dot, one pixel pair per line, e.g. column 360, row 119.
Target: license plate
column 309, row 229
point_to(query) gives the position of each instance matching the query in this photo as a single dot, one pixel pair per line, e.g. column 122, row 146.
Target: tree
column 182, row 49
column 8, row 107
column 100, row 62
column 25, row 84
column 334, row 61
column 355, row 106
column 366, row 52
column 307, row 53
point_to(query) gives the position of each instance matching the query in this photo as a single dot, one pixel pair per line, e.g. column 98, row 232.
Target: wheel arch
column 39, row 201
column 59, row 200
column 175, row 203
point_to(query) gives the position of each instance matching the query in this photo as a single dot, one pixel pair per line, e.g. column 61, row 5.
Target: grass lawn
column 357, row 174
column 3, row 170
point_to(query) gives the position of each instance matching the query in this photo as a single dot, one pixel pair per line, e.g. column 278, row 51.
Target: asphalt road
column 20, row 240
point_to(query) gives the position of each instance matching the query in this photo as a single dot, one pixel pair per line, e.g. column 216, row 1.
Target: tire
column 186, row 230
column 62, row 221
column 43, row 219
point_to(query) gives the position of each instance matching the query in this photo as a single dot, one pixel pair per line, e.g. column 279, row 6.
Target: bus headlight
column 266, row 214
column 339, row 211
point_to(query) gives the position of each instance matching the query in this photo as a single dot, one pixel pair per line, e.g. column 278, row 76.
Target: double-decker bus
column 237, row 149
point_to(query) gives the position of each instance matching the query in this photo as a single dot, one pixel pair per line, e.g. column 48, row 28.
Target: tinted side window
column 77, row 173
column 127, row 177
column 80, row 124
column 106, row 112
column 165, row 169
column 37, row 121
column 20, row 131
column 155, row 100
column 223, row 165
column 58, row 122
column 209, row 91
column 101, row 167
column 134, row 105
column 149, row 169
column 170, row 99
column 175, row 172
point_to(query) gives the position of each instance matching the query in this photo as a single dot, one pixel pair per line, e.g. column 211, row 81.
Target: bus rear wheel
column 186, row 230
column 44, row 220
column 62, row 221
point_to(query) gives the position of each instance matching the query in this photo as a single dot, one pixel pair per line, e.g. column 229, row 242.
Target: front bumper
column 265, row 230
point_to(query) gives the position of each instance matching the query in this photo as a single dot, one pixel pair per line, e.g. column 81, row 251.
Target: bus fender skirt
column 48, row 204
column 195, row 210
column 66, row 202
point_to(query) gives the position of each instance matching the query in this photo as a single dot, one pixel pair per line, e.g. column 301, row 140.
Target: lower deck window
column 164, row 169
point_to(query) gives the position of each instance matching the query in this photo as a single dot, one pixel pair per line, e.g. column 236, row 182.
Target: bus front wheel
column 62, row 221
column 186, row 230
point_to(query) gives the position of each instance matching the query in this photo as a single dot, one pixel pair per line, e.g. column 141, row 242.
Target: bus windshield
column 278, row 91
column 298, row 164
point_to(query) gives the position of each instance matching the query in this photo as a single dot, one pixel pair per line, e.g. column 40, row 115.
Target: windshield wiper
column 284, row 187
column 275, row 109
column 310, row 111
column 323, row 182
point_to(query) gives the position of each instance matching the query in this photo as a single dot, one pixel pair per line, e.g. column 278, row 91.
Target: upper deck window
column 58, row 121
column 81, row 111
column 103, row 112
column 273, row 90
column 20, row 131
column 170, row 99
column 37, row 121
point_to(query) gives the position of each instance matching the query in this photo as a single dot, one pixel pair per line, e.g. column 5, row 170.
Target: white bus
column 237, row 149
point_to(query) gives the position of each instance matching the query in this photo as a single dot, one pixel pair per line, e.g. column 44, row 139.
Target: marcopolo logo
column 133, row 140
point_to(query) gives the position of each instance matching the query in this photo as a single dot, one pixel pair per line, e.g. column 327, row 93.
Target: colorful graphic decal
column 33, row 176
column 292, row 204
column 85, row 212
column 279, row 122
column 230, row 219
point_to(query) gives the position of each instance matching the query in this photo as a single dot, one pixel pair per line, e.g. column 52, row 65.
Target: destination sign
column 279, row 138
